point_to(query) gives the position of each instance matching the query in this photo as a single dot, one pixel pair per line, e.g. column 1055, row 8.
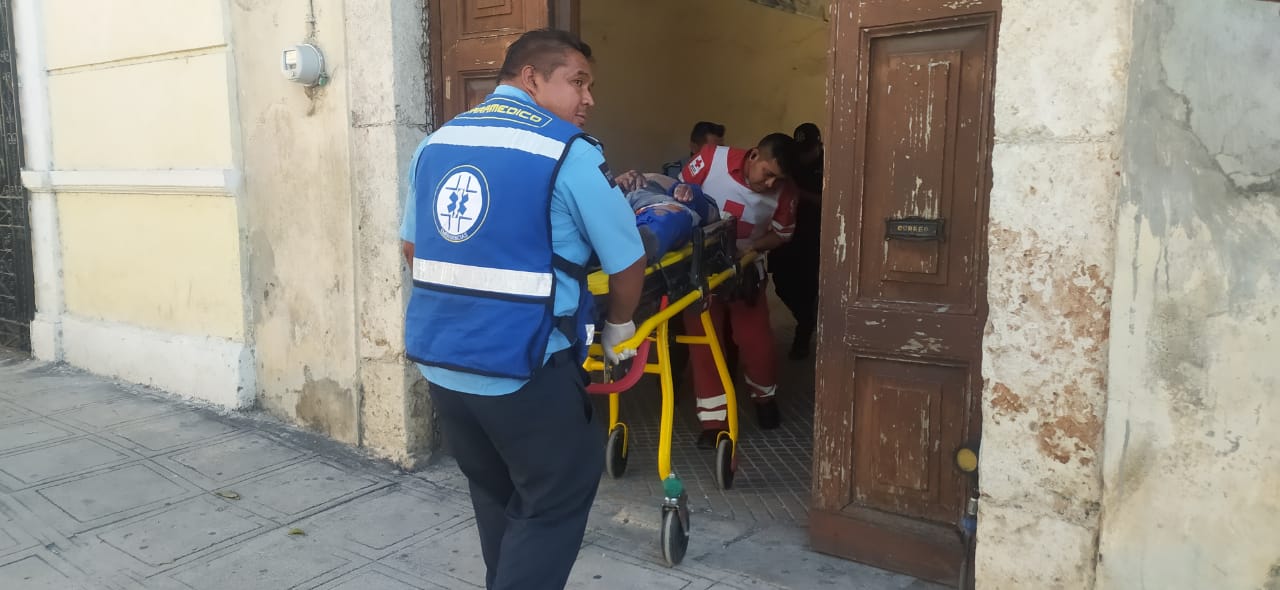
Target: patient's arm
column 683, row 193
column 633, row 180
column 629, row 180
column 660, row 179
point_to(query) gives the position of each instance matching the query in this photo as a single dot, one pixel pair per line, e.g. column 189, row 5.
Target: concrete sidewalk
column 105, row 485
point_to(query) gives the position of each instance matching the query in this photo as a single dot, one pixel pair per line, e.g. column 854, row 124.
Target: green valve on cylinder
column 672, row 487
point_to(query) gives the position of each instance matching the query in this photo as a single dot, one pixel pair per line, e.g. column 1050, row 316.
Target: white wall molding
column 37, row 137
column 148, row 182
column 213, row 370
column 46, row 337
column 37, row 181
column 34, row 90
column 46, row 249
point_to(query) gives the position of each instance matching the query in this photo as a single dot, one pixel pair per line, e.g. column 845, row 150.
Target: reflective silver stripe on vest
column 498, row 137
column 479, row 278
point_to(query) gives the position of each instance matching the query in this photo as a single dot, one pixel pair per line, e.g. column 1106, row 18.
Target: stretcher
column 676, row 283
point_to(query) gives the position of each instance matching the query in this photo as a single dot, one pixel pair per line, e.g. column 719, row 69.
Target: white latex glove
column 612, row 335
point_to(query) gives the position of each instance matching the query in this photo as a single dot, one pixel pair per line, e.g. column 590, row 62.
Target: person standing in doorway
column 752, row 186
column 704, row 133
column 507, row 202
column 794, row 265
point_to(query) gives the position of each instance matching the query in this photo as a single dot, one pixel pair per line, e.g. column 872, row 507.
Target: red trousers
column 753, row 334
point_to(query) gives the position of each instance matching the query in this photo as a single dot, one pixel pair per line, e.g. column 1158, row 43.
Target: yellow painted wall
column 80, row 32
column 168, row 262
column 138, row 86
column 662, row 65
column 171, row 113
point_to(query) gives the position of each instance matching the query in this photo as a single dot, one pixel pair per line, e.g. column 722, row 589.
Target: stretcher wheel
column 724, row 463
column 615, row 452
column 675, row 539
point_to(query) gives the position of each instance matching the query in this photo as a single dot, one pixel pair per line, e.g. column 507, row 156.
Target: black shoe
column 707, row 440
column 767, row 415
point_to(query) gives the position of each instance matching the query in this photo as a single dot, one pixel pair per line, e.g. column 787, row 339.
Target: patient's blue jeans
column 664, row 228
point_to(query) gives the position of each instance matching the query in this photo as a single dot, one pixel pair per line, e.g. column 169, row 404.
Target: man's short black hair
column 544, row 49
column 779, row 147
column 702, row 128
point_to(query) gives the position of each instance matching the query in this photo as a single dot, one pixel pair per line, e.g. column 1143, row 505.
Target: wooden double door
column 903, row 299
column 472, row 38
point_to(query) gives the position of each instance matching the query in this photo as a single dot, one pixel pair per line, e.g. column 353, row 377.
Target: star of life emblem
column 462, row 202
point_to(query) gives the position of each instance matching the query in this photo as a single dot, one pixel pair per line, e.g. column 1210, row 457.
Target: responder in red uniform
column 751, row 185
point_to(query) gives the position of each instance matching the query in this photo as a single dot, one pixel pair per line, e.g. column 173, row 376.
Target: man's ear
column 529, row 78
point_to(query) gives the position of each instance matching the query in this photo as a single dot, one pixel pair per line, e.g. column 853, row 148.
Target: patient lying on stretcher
column 664, row 222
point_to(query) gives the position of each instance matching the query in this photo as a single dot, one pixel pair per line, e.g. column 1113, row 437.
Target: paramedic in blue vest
column 506, row 204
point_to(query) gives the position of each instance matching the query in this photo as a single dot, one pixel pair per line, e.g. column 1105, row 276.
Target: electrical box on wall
column 303, row 64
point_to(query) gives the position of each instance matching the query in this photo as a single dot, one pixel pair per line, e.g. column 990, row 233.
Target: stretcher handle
column 637, row 370
column 670, row 311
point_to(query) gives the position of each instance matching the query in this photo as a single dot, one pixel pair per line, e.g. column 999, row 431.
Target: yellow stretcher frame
column 656, row 330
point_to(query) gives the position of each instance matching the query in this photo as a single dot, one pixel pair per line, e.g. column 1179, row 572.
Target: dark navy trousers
column 533, row 461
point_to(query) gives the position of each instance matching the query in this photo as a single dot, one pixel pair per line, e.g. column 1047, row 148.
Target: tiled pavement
column 105, row 485
column 774, row 474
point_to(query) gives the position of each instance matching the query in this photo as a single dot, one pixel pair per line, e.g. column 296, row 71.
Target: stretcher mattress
column 710, row 251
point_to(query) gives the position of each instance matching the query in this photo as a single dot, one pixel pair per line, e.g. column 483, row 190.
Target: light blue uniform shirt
column 582, row 193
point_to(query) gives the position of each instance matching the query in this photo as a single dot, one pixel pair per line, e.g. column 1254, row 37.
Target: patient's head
column 554, row 67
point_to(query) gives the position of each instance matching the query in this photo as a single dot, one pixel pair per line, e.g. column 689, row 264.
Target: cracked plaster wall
column 322, row 178
column 299, row 226
column 389, row 114
column 1059, row 108
column 1192, row 496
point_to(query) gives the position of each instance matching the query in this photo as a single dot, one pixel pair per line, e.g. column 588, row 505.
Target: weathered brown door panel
column 907, row 332
column 927, row 551
column 472, row 39
column 903, row 413
column 905, row 279
column 889, row 12
column 925, row 89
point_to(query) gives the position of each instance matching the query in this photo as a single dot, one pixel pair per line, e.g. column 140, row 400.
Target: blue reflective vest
column 483, row 282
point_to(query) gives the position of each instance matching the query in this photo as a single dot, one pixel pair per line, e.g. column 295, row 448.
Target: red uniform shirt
column 783, row 216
